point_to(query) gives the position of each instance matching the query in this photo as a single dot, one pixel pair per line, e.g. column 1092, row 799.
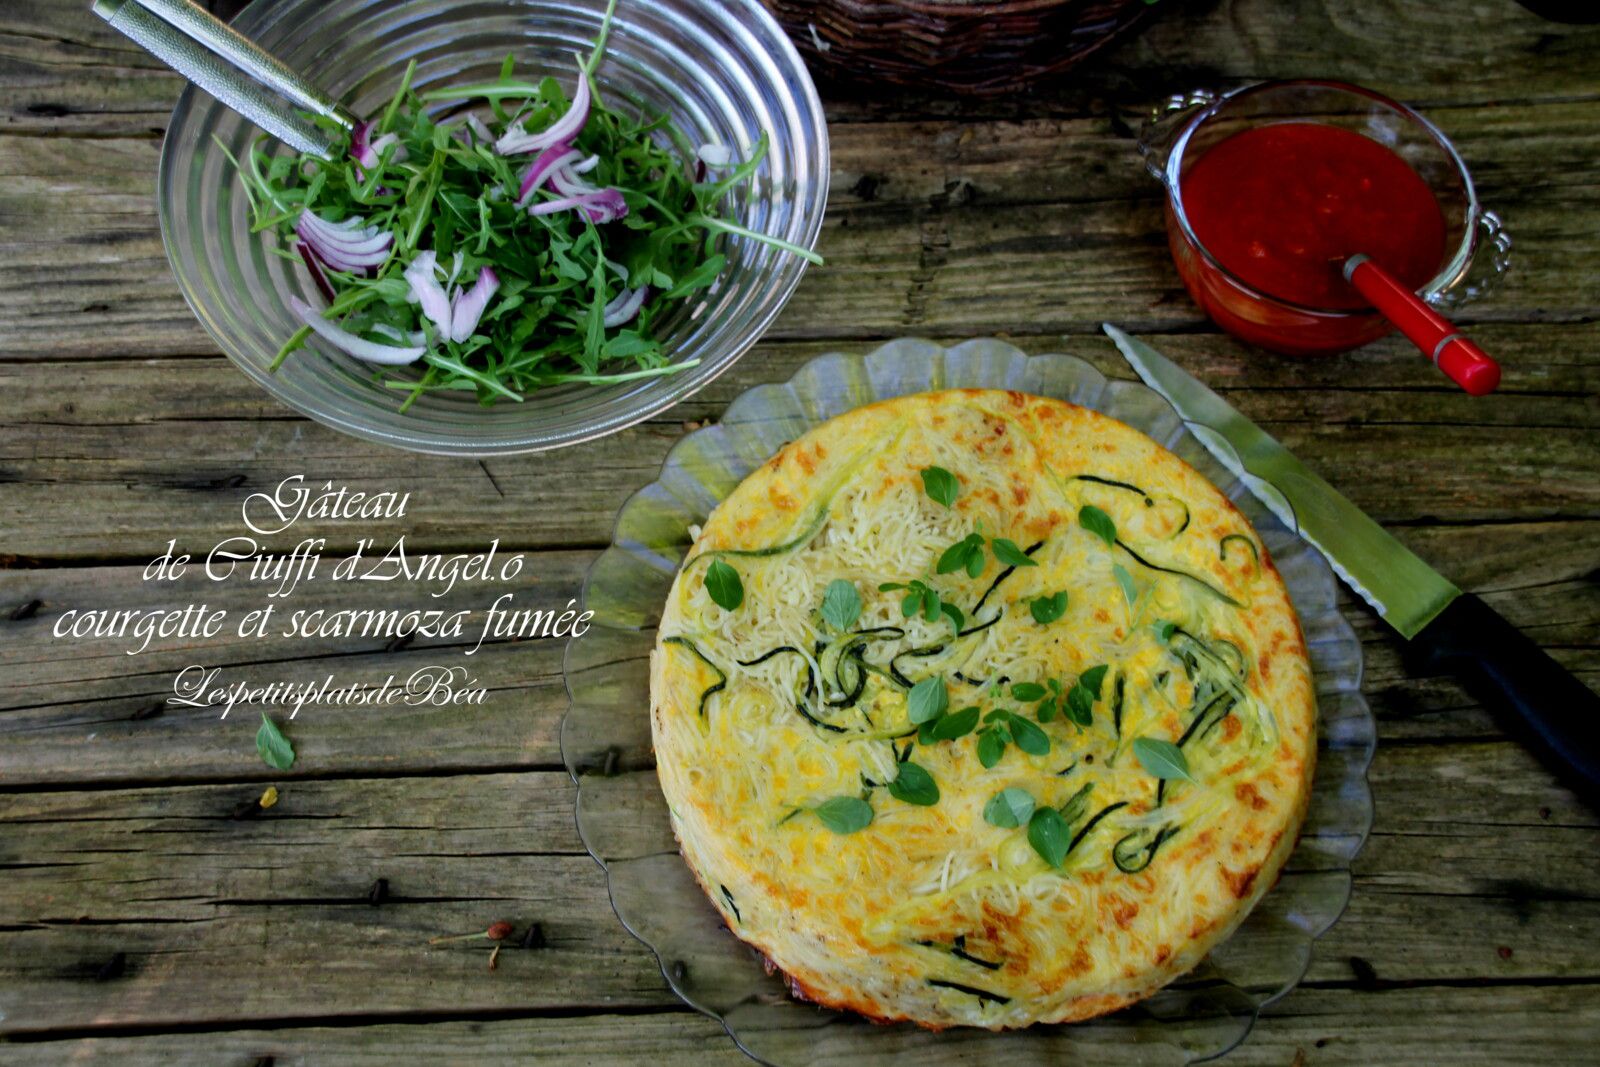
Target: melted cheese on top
column 932, row 913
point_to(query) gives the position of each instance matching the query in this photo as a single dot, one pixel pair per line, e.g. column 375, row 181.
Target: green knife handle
column 1539, row 699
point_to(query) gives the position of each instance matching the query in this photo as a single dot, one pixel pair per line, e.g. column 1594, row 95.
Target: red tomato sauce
column 1283, row 206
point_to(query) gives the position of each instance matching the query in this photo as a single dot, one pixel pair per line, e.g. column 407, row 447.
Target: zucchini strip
column 1201, row 582
column 981, row 994
column 1090, row 825
column 1135, row 858
column 1255, row 553
column 1002, row 576
column 722, row 676
column 958, row 949
column 1129, row 486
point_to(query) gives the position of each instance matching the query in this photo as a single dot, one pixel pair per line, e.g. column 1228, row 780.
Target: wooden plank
column 1441, row 456
column 63, row 71
column 1467, row 1027
column 1040, row 227
column 267, row 918
column 85, row 711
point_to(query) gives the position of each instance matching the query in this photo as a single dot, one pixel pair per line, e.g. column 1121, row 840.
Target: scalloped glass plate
column 622, row 815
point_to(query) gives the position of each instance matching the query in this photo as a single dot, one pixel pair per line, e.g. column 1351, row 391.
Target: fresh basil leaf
column 1080, row 706
column 1124, row 579
column 930, row 605
column 954, row 614
column 956, row 724
column 1162, row 759
column 1049, row 835
column 927, row 700
column 844, row 815
column 940, row 485
column 1098, row 523
column 1028, row 737
column 889, row 587
column 841, row 604
column 1046, row 711
column 914, row 785
column 723, row 583
column 990, row 747
column 1007, row 552
column 975, row 563
column 911, row 604
column 1093, row 678
column 953, row 558
column 1047, row 609
column 1028, row 691
column 1165, row 630
column 274, row 748
column 1008, row 808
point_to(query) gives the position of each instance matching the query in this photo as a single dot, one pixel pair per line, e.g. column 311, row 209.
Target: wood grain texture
column 141, row 921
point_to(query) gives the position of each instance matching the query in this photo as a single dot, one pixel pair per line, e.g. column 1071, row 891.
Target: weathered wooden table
column 140, row 918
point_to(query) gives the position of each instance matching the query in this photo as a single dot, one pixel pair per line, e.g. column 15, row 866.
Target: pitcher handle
column 1491, row 258
column 1166, row 122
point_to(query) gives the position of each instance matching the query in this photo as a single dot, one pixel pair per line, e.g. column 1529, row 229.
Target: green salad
column 533, row 240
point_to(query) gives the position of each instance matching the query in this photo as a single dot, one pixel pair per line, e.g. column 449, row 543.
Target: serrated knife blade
column 1385, row 573
column 1444, row 628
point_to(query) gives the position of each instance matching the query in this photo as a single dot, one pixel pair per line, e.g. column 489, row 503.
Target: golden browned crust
column 866, row 921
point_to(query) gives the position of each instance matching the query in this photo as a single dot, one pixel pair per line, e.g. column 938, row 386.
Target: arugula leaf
column 1124, row 579
column 723, row 583
column 1007, row 552
column 1098, row 523
column 1008, row 808
column 927, row 700
column 844, row 815
column 841, row 604
column 914, row 785
column 1162, row 758
column 1047, row 609
column 1049, row 835
column 940, row 485
column 273, row 747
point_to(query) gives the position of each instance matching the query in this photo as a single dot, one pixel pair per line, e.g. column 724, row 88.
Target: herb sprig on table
column 535, row 241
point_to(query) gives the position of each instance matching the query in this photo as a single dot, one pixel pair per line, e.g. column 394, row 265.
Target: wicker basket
column 978, row 47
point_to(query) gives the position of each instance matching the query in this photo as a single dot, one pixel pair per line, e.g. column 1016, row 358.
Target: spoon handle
column 238, row 72
column 1461, row 360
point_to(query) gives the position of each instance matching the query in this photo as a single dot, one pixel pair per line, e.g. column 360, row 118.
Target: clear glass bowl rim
column 260, row 13
column 1355, row 774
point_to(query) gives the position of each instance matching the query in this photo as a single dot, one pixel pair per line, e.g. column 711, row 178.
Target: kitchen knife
column 1445, row 629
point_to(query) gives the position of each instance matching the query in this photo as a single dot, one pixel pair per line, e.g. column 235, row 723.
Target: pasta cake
column 978, row 708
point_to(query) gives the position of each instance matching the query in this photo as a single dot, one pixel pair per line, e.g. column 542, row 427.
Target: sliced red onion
column 348, row 245
column 319, row 279
column 519, row 141
column 602, row 206
column 548, row 161
column 567, row 184
column 361, row 144
column 468, row 307
column 426, row 289
column 480, row 132
column 626, row 306
column 345, row 341
column 715, row 155
column 415, row 337
column 586, row 166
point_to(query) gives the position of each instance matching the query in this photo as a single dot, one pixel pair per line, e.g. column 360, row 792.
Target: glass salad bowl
column 723, row 73
column 622, row 814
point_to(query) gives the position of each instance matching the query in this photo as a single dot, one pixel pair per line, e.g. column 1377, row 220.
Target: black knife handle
column 1539, row 699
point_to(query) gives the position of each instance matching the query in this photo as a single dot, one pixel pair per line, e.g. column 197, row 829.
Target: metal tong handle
column 212, row 55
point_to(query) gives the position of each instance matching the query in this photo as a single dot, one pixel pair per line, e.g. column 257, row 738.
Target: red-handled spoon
column 1464, row 362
